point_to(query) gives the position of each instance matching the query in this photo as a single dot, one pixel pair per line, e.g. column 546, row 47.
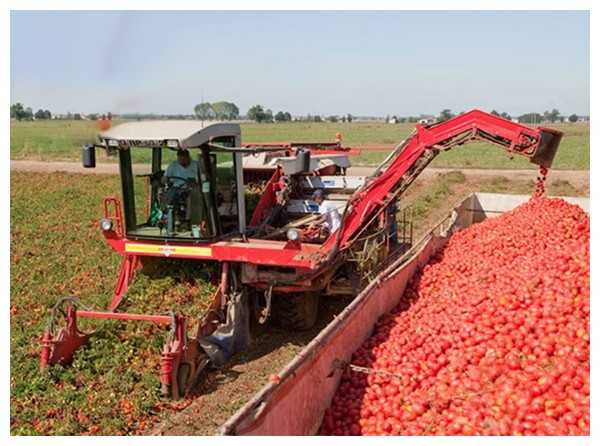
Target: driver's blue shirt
column 177, row 170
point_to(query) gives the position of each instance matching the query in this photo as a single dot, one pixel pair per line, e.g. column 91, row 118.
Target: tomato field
column 490, row 338
column 57, row 250
column 113, row 385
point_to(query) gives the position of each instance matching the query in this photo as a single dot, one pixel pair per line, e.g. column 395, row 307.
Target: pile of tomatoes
column 490, row 338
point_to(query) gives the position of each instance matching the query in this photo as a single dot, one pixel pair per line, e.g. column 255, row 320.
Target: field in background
column 112, row 388
column 61, row 140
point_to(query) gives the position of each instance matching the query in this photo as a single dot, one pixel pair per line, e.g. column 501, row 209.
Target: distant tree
column 554, row 115
column 40, row 114
column 551, row 115
column 259, row 114
column 317, row 118
column 505, row 116
column 332, row 118
column 281, row 116
column 20, row 113
column 234, row 111
column 77, row 116
column 256, row 113
column 16, row 111
column 268, row 115
column 204, row 110
column 225, row 110
column 92, row 116
column 445, row 114
column 573, row 118
column 349, row 117
column 531, row 118
column 495, row 113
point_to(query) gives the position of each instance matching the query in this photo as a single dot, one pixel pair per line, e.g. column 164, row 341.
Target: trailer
column 294, row 401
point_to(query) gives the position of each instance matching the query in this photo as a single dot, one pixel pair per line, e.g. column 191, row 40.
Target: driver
column 183, row 168
column 181, row 173
column 329, row 215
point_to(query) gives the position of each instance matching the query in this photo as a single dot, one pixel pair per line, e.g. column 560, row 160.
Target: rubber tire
column 297, row 311
column 183, row 375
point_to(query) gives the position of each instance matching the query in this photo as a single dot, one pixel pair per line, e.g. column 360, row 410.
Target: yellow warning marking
column 168, row 250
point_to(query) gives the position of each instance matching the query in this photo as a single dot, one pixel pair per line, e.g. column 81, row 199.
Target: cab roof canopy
column 188, row 134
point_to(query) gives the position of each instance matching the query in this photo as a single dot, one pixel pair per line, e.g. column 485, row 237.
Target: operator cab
column 192, row 189
column 189, row 189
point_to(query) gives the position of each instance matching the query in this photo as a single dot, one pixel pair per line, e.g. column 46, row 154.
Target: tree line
column 258, row 113
column 217, row 110
column 21, row 113
column 526, row 118
column 223, row 110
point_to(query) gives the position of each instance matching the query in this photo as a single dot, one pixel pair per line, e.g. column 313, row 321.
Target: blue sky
column 364, row 63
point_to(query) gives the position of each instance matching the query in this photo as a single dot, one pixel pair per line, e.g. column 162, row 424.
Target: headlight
column 106, row 224
column 292, row 234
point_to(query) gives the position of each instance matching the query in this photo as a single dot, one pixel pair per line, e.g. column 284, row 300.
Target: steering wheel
column 188, row 181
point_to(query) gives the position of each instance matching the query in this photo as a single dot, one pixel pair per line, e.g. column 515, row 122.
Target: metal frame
column 423, row 146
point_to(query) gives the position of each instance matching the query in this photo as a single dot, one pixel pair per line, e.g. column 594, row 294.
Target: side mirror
column 88, row 156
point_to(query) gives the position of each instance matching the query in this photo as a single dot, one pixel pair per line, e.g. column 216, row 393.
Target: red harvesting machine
column 279, row 263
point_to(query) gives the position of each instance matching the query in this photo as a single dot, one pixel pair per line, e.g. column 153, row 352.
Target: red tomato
column 491, row 337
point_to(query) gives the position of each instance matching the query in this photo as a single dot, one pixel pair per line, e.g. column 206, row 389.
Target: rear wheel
column 297, row 311
column 183, row 376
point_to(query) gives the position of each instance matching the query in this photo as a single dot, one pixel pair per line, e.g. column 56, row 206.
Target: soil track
column 577, row 178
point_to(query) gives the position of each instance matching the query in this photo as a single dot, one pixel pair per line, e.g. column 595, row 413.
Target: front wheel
column 298, row 311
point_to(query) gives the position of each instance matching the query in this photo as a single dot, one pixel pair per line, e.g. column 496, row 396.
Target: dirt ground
column 577, row 178
column 224, row 391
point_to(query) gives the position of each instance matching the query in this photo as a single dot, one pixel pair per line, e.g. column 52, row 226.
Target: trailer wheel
column 296, row 311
